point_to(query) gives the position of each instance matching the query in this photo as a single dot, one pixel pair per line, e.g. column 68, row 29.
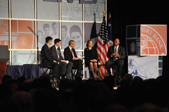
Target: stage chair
column 74, row 71
column 45, row 69
column 113, row 68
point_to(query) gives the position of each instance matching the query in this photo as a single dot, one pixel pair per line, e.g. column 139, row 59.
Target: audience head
column 12, row 85
column 57, row 42
column 136, row 81
column 26, row 86
column 72, row 43
column 64, row 84
column 49, row 40
column 44, row 82
column 46, row 100
column 20, row 80
column 128, row 77
column 5, row 78
column 35, row 83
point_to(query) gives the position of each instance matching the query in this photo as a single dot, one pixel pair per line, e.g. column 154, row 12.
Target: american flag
column 102, row 48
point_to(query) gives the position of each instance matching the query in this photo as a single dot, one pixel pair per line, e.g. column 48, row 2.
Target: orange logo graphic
column 23, row 41
column 2, row 30
column 154, row 40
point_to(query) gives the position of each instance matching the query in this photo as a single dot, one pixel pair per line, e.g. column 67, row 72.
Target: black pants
column 55, row 68
column 78, row 64
column 65, row 68
column 119, row 64
column 60, row 69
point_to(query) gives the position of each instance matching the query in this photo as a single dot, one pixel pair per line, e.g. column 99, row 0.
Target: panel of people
column 51, row 57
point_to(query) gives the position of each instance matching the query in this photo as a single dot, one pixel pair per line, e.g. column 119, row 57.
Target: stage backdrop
column 62, row 20
column 145, row 67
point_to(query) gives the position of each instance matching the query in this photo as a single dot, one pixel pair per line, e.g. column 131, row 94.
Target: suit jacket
column 68, row 54
column 46, row 56
column 55, row 54
column 121, row 52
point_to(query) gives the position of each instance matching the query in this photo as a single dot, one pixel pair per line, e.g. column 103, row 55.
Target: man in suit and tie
column 47, row 60
column 65, row 66
column 116, row 55
column 70, row 55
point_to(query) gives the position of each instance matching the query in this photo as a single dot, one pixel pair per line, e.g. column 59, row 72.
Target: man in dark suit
column 116, row 55
column 47, row 60
column 70, row 55
column 65, row 65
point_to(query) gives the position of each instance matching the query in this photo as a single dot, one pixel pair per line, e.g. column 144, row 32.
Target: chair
column 44, row 69
column 74, row 71
column 113, row 68
column 90, row 72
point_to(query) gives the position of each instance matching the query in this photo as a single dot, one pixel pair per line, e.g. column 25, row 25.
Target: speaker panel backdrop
column 47, row 28
column 62, row 20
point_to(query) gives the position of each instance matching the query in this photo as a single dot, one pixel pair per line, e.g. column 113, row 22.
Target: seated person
column 70, row 55
column 91, row 57
column 116, row 55
column 47, row 60
column 64, row 65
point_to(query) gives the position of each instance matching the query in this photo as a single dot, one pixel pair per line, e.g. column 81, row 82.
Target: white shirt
column 117, row 48
column 58, row 54
column 57, row 50
column 47, row 45
column 70, row 50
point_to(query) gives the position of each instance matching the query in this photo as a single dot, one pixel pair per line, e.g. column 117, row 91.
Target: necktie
column 59, row 53
column 58, row 49
column 116, row 49
column 72, row 52
column 115, row 52
column 49, row 48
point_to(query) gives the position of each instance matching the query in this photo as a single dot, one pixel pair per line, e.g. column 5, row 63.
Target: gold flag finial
column 104, row 13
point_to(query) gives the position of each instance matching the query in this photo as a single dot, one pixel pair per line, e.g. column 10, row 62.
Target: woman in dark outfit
column 91, row 57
